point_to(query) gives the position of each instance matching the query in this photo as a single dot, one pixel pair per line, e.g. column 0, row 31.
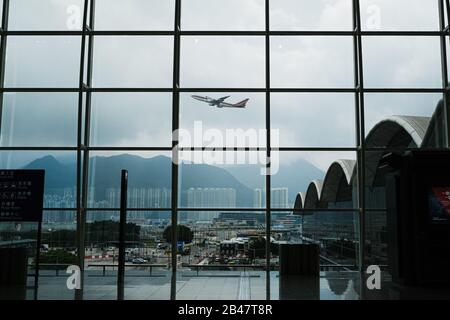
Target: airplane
column 220, row 103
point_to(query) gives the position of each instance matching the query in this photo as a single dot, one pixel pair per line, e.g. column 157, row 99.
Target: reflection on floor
column 230, row 285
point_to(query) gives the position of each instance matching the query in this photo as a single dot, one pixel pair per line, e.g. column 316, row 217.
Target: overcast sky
column 144, row 119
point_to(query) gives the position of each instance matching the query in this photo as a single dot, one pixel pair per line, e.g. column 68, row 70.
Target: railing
column 227, row 267
column 51, row 266
column 58, row 267
column 150, row 266
column 273, row 267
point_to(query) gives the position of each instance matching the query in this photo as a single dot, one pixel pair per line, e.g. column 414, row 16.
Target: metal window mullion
column 222, row 33
column 444, row 11
column 361, row 132
column 268, row 147
column 216, row 90
column 175, row 152
column 4, row 25
column 357, row 116
column 87, row 116
column 79, row 206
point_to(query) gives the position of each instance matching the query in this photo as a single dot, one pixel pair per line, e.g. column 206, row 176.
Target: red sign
column 443, row 195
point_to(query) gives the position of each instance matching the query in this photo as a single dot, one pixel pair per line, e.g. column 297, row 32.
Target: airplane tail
column 241, row 104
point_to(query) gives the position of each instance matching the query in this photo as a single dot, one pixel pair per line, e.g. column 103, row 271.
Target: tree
column 108, row 231
column 257, row 248
column 58, row 256
column 184, row 234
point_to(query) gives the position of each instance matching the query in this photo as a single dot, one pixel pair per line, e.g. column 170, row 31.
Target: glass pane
column 59, row 251
column 149, row 184
column 445, row 14
column 65, row 219
column 60, row 173
column 223, row 15
column 134, row 15
column 235, row 122
column 338, row 240
column 338, row 233
column 399, row 119
column 402, row 62
column 312, row 62
column 299, row 119
column 101, row 239
column 376, row 249
column 222, row 62
column 146, row 273
column 133, row 61
column 222, row 259
column 290, row 15
column 39, row 119
column 415, row 15
column 1, row 11
column 325, row 179
column 64, row 15
column 131, row 119
column 41, row 61
column 220, row 179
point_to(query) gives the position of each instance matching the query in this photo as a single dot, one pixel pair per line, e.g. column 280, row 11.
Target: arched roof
column 339, row 170
column 385, row 132
column 395, row 131
column 299, row 202
column 435, row 136
column 313, row 194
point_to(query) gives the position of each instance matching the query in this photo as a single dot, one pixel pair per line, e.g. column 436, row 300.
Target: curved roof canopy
column 313, row 194
column 339, row 176
column 299, row 202
column 398, row 131
column 435, row 136
column 395, row 131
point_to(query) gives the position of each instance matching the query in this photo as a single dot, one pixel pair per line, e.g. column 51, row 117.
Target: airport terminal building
column 195, row 149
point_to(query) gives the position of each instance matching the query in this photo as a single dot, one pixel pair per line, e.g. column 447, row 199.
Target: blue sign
column 21, row 195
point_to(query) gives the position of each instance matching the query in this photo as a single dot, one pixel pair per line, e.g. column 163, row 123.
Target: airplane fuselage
column 220, row 103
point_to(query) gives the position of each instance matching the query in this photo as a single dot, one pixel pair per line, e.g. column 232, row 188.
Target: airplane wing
column 200, row 98
column 223, row 98
column 241, row 104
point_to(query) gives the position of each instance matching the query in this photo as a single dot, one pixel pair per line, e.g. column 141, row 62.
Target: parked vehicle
column 138, row 261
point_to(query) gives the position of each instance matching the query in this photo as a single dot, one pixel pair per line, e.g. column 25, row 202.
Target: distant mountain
column 154, row 172
column 296, row 176
column 58, row 175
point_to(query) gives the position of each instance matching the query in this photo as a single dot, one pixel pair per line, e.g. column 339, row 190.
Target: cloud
column 136, row 61
column 41, row 61
column 37, row 119
column 222, row 62
column 311, row 15
column 223, row 15
column 145, row 120
column 131, row 119
column 312, row 62
column 41, row 14
column 134, row 14
column 401, row 15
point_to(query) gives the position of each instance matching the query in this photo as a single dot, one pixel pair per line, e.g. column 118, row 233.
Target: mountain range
column 156, row 172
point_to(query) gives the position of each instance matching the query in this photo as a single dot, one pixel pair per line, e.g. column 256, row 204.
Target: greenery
column 58, row 256
column 96, row 232
column 108, row 231
column 257, row 248
column 184, row 234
